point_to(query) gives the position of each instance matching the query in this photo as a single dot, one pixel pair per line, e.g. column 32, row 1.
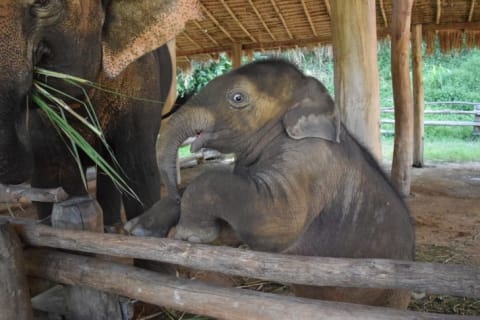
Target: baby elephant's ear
column 314, row 116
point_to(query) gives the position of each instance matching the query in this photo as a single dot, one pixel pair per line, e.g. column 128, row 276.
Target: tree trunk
column 402, row 96
column 357, row 92
column 14, row 294
column 418, row 96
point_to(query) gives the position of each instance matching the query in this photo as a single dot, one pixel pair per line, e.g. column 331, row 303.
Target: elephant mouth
column 201, row 139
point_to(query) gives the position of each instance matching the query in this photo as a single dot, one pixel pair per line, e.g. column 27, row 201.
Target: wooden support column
column 172, row 95
column 402, row 96
column 236, row 55
column 418, row 97
column 14, row 294
column 357, row 92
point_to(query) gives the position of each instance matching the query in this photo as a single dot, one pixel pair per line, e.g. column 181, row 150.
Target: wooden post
column 236, row 55
column 476, row 129
column 172, row 96
column 402, row 96
column 418, row 97
column 84, row 213
column 14, row 294
column 357, row 92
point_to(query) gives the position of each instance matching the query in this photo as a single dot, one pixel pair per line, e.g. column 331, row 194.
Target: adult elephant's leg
column 109, row 199
column 135, row 150
column 54, row 166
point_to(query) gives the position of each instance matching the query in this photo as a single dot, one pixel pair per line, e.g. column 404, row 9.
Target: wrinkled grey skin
column 301, row 183
column 68, row 36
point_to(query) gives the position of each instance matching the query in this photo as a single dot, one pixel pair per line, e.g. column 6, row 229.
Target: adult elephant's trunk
column 187, row 122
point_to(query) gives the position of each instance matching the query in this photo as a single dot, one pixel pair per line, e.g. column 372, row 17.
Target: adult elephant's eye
column 238, row 99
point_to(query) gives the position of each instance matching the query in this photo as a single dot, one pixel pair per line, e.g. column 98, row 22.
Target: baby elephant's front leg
column 206, row 202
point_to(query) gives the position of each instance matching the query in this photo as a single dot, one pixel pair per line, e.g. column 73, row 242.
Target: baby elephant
column 301, row 183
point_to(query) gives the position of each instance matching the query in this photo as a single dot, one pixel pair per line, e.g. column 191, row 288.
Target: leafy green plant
column 52, row 102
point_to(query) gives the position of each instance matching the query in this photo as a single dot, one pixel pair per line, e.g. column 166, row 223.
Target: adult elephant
column 113, row 43
column 301, row 183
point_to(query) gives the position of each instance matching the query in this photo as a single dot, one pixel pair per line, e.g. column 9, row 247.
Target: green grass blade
column 62, row 124
column 66, row 77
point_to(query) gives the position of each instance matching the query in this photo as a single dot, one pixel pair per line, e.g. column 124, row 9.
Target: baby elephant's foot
column 204, row 233
column 156, row 221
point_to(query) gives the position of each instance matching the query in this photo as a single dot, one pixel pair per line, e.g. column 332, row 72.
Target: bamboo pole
column 14, row 294
column 368, row 273
column 402, row 95
column 196, row 297
column 418, row 97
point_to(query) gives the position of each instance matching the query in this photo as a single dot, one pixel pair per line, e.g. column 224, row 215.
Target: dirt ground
column 445, row 203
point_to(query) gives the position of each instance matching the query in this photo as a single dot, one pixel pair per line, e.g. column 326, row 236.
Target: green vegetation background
column 447, row 77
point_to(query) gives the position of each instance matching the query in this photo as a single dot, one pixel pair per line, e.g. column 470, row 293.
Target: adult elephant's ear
column 314, row 115
column 136, row 27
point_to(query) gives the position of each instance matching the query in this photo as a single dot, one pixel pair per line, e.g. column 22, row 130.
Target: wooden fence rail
column 230, row 303
column 460, row 280
column 475, row 123
column 200, row 298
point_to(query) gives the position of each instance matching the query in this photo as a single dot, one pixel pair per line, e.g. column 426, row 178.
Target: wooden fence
column 475, row 122
column 200, row 298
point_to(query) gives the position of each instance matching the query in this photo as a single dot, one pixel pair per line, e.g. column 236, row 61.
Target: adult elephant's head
column 84, row 38
column 243, row 111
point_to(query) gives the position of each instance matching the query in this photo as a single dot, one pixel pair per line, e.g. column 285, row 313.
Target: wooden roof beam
column 439, row 11
column 195, row 43
column 259, row 16
column 329, row 9
column 470, row 13
column 191, row 40
column 215, row 21
column 384, row 15
column 205, row 32
column 307, row 14
column 281, row 18
column 225, row 5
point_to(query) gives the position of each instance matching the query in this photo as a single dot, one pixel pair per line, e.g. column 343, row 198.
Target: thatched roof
column 281, row 24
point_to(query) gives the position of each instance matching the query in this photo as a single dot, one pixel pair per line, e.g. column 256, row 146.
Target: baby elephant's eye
column 238, row 99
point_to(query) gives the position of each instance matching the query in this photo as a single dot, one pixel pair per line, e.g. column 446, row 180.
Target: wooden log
column 78, row 213
column 402, row 95
column 196, row 297
column 14, row 294
column 418, row 97
column 84, row 213
column 25, row 194
column 459, row 280
column 357, row 88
